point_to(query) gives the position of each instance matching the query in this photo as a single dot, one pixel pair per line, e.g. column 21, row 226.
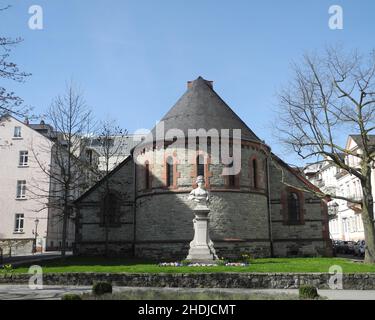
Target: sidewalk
column 22, row 292
column 19, row 260
column 332, row 294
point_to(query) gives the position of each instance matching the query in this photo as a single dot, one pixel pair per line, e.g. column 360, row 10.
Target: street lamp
column 36, row 233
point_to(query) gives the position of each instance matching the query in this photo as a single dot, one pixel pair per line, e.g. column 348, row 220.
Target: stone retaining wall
column 363, row 281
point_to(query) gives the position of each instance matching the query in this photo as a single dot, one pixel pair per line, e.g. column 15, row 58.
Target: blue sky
column 132, row 58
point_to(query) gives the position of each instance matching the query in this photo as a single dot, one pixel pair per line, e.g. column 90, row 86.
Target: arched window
column 169, row 164
column 254, row 173
column 254, row 167
column 110, row 215
column 294, row 207
column 200, row 165
column 231, row 181
column 147, row 176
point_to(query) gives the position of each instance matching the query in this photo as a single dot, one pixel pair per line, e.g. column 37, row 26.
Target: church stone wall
column 90, row 235
column 310, row 238
column 238, row 224
column 238, row 217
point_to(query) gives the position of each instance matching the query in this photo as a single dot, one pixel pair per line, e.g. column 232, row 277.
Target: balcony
column 333, row 209
column 320, row 183
column 341, row 173
column 356, row 207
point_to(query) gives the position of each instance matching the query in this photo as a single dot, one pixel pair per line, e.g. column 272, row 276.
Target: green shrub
column 308, row 292
column 7, row 268
column 71, row 296
column 100, row 288
column 185, row 262
column 221, row 261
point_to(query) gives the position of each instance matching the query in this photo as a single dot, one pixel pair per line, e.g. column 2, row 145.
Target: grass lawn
column 80, row 264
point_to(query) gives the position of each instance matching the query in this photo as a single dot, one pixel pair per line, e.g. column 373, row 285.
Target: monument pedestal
column 201, row 248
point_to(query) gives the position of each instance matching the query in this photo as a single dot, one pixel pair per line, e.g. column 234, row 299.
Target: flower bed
column 196, row 264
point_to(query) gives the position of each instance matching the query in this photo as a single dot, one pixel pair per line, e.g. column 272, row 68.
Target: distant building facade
column 28, row 220
column 24, row 213
column 345, row 221
column 119, row 151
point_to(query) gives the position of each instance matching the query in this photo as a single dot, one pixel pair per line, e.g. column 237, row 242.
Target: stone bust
column 199, row 194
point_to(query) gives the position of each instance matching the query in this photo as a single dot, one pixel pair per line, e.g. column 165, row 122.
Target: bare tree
column 9, row 101
column 331, row 96
column 71, row 120
column 110, row 144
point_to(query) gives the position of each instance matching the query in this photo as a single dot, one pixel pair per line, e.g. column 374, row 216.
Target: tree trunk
column 106, row 235
column 106, row 224
column 64, row 230
column 368, row 215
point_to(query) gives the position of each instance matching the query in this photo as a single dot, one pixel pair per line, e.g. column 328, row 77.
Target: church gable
column 299, row 219
column 119, row 181
column 107, row 207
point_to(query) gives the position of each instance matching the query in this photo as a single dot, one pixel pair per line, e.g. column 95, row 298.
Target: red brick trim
column 176, row 174
column 284, row 206
column 236, row 181
column 207, row 172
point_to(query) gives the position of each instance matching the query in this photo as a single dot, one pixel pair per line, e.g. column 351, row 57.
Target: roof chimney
column 26, row 121
column 209, row 83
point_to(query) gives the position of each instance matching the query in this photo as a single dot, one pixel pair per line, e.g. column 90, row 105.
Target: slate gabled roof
column 201, row 107
column 358, row 140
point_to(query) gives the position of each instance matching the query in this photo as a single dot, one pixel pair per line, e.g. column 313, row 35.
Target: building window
column 292, row 206
column 21, row 189
column 294, row 210
column 110, row 214
column 89, row 156
column 169, row 165
column 254, row 166
column 232, row 181
column 147, row 176
column 200, row 165
column 19, row 222
column 24, row 158
column 17, row 132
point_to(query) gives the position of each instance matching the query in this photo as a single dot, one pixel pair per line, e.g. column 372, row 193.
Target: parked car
column 338, row 246
column 344, row 247
column 350, row 247
column 359, row 248
column 356, row 248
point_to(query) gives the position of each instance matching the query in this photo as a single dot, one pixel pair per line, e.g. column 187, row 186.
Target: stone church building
column 142, row 209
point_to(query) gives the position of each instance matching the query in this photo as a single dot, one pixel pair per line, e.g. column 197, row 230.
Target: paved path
column 22, row 292
column 19, row 260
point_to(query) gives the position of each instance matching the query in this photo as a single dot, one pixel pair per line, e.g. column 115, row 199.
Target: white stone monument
column 201, row 248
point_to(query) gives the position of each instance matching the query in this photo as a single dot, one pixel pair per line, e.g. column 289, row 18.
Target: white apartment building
column 120, row 150
column 345, row 221
column 26, row 222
